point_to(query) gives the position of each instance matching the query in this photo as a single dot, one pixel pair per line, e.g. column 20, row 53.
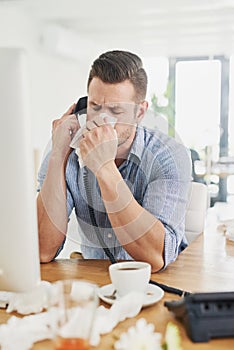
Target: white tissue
column 76, row 139
column 106, row 319
column 21, row 333
column 31, row 302
column 77, row 151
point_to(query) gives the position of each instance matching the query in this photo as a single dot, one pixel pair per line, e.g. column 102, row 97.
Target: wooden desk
column 206, row 265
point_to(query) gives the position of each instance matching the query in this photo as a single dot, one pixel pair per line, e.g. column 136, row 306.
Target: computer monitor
column 19, row 253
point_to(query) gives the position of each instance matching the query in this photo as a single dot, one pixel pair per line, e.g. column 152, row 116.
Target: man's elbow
column 46, row 257
column 157, row 265
column 157, row 262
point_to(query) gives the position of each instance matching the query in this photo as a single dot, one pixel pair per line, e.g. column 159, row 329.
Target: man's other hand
column 63, row 130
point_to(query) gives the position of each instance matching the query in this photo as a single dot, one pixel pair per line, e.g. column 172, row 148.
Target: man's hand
column 98, row 145
column 63, row 130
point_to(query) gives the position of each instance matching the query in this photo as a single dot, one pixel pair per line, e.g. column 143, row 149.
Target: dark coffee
column 129, row 268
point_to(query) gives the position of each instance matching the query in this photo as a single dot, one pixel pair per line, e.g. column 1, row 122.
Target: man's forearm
column 52, row 210
column 141, row 234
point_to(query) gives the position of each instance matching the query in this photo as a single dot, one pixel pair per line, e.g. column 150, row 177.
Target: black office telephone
column 205, row 315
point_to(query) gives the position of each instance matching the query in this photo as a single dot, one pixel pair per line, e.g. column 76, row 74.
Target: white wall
column 56, row 84
column 55, row 81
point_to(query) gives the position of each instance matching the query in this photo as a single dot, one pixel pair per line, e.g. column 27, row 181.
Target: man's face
column 114, row 100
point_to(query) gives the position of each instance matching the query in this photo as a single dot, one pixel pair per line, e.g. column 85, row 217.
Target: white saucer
column 153, row 294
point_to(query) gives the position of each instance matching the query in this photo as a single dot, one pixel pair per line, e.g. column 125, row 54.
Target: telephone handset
column 81, row 105
column 79, row 109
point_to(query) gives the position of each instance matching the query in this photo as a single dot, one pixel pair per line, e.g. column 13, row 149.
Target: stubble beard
column 125, row 136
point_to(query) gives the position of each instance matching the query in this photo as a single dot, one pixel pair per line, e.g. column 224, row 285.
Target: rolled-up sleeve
column 41, row 177
column 42, row 171
column 70, row 203
column 166, row 196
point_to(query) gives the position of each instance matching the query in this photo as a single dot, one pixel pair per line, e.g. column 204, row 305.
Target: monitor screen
column 19, row 253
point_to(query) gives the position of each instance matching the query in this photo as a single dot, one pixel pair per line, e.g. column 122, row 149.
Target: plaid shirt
column 158, row 173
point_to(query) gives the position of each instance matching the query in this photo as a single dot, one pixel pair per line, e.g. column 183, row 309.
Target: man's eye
column 116, row 112
column 97, row 108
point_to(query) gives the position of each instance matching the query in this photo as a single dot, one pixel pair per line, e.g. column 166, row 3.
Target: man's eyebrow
column 94, row 104
column 115, row 106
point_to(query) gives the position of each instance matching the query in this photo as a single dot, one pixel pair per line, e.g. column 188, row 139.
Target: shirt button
column 109, row 235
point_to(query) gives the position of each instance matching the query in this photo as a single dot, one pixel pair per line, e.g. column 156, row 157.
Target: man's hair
column 117, row 66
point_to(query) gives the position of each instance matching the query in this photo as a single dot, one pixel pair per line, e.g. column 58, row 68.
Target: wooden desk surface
column 206, row 265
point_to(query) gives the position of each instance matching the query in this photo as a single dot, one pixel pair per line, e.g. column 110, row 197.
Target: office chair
column 198, row 203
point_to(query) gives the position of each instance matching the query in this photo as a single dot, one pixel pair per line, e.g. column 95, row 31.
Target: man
column 137, row 179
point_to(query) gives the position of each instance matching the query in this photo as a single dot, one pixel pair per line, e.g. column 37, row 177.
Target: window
column 198, row 104
column 231, row 109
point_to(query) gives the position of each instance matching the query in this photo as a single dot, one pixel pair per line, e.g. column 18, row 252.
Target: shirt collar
column 138, row 145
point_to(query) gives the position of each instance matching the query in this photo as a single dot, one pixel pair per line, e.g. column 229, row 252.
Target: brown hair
column 117, row 66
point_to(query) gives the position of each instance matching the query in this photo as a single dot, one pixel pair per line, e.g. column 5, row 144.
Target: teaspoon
column 111, row 296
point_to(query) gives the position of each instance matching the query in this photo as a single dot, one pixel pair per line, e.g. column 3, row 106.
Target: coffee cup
column 130, row 276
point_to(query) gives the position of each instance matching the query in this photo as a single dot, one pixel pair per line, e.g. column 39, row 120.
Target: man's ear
column 142, row 108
